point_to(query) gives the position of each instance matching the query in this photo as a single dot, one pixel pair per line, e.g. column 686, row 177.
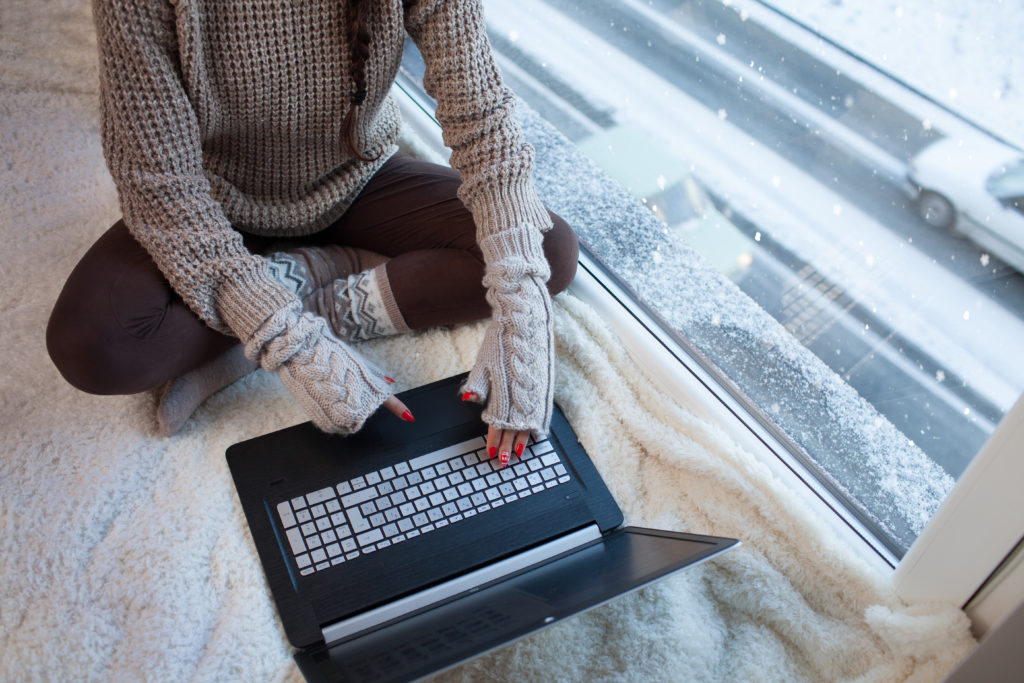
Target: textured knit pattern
column 227, row 114
column 336, row 386
column 514, row 372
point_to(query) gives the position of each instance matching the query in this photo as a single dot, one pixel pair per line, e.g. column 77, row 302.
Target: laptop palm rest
column 468, row 626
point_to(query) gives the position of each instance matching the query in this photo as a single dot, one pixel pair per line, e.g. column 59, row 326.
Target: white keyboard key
column 320, row 496
column 550, row 459
column 298, row 503
column 542, row 447
column 284, row 510
column 402, row 468
column 559, row 470
column 318, row 555
column 295, row 540
column 303, row 561
column 359, row 497
column 388, row 473
column 344, row 488
column 370, row 537
column 373, row 478
column 449, row 452
column 390, row 530
column 358, row 522
column 358, row 483
column 405, row 524
column 348, row 545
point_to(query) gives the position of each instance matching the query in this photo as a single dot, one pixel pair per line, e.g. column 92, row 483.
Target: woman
column 253, row 148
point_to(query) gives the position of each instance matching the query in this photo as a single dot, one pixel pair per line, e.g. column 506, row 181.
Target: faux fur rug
column 124, row 556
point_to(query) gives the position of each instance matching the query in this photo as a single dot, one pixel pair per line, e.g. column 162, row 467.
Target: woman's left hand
column 504, row 443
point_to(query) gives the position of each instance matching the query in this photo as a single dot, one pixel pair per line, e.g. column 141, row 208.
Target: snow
column 964, row 55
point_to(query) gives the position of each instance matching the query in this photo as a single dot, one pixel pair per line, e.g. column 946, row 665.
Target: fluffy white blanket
column 124, row 556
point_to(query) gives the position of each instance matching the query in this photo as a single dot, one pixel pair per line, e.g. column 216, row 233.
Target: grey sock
column 180, row 397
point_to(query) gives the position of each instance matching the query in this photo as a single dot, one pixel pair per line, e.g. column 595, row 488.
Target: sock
column 349, row 287
column 181, row 396
column 362, row 306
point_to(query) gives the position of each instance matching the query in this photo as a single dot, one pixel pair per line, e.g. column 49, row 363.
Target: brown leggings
column 119, row 328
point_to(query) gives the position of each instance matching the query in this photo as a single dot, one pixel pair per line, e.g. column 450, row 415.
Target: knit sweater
column 225, row 115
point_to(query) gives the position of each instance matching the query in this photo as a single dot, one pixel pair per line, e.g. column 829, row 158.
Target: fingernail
column 389, row 380
column 468, row 396
column 492, row 451
column 407, row 416
column 504, row 458
column 519, row 450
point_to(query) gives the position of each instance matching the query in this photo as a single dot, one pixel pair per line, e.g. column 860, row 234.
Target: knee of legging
column 87, row 358
column 73, row 353
column 561, row 246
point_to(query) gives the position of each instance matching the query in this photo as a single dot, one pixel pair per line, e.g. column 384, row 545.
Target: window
column 829, row 161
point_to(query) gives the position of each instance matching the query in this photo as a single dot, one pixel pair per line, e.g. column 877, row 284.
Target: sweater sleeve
column 152, row 144
column 476, row 113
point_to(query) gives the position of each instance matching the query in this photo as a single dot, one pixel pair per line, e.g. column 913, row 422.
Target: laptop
column 403, row 550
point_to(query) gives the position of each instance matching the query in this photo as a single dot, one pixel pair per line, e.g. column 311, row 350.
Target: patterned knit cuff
column 245, row 302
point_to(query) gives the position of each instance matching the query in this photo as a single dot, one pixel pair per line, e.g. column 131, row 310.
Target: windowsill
column 681, row 378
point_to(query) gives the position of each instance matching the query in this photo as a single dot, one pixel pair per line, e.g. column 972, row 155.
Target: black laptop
column 402, row 550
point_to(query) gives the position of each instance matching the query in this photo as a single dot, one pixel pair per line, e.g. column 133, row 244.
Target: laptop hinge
column 449, row 589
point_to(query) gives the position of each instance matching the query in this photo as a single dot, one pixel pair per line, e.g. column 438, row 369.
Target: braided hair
column 359, row 39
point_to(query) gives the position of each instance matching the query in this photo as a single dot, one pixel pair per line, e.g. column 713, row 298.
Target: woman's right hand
column 337, row 388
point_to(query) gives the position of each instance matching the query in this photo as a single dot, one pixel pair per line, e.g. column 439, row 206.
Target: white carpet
column 124, row 556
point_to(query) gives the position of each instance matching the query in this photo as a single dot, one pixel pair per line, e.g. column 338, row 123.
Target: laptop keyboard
column 374, row 511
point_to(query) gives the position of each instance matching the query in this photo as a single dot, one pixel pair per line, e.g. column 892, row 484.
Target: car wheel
column 936, row 210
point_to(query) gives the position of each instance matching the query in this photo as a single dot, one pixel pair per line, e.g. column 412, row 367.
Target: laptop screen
column 495, row 616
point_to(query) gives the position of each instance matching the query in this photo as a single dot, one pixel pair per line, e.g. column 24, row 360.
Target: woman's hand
column 503, row 443
column 514, row 370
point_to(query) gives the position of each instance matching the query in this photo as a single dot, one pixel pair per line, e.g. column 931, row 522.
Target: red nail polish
column 492, row 451
column 519, row 450
column 504, row 458
column 468, row 396
column 407, row 416
column 389, row 380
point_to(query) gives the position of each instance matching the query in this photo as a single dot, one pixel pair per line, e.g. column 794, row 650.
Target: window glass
column 844, row 165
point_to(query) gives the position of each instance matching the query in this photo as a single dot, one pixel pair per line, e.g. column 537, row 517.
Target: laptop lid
column 468, row 626
column 300, row 459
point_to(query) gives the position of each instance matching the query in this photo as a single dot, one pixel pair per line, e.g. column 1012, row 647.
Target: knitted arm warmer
column 336, row 387
column 514, row 371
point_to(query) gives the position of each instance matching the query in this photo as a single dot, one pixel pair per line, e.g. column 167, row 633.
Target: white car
column 976, row 187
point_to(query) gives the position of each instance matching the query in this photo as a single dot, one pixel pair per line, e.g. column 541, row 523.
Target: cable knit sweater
column 225, row 115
